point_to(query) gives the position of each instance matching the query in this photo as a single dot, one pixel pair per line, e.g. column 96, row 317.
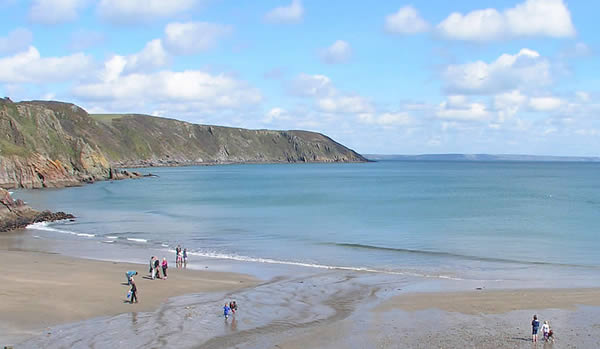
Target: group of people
column 181, row 257
column 156, row 266
column 546, row 330
column 229, row 308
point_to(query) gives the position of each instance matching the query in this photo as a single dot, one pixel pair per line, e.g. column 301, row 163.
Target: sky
column 386, row 77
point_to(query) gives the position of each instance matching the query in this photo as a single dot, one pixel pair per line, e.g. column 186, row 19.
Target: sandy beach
column 54, row 301
column 41, row 289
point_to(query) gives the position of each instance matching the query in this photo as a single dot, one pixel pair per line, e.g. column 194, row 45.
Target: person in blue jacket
column 226, row 310
column 129, row 274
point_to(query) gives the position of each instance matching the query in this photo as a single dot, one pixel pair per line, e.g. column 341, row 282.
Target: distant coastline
column 481, row 157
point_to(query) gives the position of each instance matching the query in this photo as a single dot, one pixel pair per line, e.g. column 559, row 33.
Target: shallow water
column 455, row 220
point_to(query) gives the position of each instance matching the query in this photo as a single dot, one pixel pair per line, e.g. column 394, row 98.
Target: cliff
column 15, row 214
column 55, row 144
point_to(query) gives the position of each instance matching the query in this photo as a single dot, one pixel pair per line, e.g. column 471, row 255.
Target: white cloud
column 405, row 21
column 311, row 85
column 127, row 11
column 286, row 14
column 194, row 37
column 339, row 52
column 55, row 11
column 16, row 41
column 151, row 57
column 344, row 104
column 524, row 69
column 531, row 18
column 458, row 108
column 190, row 86
column 30, row 67
column 545, row 103
column 401, row 119
column 508, row 104
column 276, row 114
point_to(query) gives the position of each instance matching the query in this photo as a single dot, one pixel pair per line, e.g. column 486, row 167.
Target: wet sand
column 41, row 289
column 494, row 301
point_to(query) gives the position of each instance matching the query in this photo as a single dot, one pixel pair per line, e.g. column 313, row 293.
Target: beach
column 42, row 289
column 52, row 300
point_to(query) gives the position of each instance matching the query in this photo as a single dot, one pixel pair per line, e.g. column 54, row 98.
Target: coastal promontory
column 56, row 144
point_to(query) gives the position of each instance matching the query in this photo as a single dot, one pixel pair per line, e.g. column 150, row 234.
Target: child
column 226, row 311
column 546, row 330
column 164, row 267
column 133, row 292
column 535, row 325
column 233, row 307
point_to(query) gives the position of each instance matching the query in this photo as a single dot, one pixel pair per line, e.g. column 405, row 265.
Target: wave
column 316, row 265
column 137, row 240
column 112, row 237
column 453, row 255
column 45, row 227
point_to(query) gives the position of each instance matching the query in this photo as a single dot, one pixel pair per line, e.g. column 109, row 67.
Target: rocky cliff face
column 15, row 214
column 54, row 144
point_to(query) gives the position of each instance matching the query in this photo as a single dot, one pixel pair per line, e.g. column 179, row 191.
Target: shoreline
column 318, row 306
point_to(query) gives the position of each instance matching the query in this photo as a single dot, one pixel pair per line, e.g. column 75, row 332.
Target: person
column 233, row 307
column 164, row 267
column 546, row 330
column 535, row 325
column 185, row 256
column 177, row 254
column 133, row 292
column 156, row 267
column 151, row 271
column 129, row 274
column 226, row 311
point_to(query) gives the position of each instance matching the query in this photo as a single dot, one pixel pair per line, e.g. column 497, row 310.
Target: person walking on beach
column 535, row 325
column 129, row 274
column 226, row 310
column 185, row 257
column 233, row 307
column 164, row 267
column 133, row 292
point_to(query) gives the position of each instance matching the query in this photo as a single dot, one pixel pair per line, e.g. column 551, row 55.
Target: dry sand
column 40, row 289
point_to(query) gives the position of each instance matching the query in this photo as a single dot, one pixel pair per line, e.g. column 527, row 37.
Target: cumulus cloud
column 121, row 11
column 194, row 37
column 151, row 57
column 55, row 11
column 458, row 108
column 406, row 21
column 30, row 67
column 531, row 18
column 339, row 52
column 548, row 103
column 524, row 69
column 286, row 14
column 276, row 114
column 190, row 86
column 507, row 104
column 387, row 119
column 327, row 97
column 16, row 41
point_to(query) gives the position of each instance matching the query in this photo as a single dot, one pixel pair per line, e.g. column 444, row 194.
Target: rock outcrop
column 55, row 144
column 14, row 214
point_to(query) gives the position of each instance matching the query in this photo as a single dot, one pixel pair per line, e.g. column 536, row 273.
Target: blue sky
column 517, row 76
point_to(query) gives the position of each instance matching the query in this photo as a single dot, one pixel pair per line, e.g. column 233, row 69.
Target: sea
column 494, row 223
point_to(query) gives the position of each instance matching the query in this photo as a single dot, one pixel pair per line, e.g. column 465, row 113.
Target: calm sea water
column 449, row 219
